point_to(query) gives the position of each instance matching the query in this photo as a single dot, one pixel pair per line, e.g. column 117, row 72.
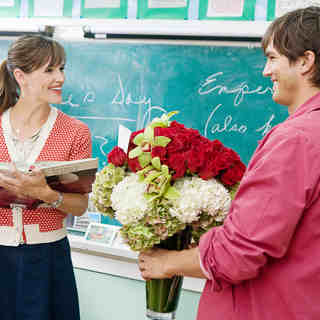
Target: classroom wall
column 107, row 297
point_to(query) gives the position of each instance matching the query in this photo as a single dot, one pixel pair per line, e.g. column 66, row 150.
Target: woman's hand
column 24, row 185
column 34, row 185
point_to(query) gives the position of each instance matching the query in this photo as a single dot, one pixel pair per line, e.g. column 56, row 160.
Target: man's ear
column 308, row 62
column 19, row 76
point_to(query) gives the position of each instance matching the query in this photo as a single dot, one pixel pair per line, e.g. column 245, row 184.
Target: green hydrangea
column 102, row 187
column 151, row 229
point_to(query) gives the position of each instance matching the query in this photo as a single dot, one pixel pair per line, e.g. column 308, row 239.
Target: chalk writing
column 123, row 98
column 69, row 102
column 239, row 91
column 267, row 126
column 228, row 124
column 90, row 97
column 104, row 143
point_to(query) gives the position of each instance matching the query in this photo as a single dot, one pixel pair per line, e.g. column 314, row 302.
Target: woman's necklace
column 17, row 135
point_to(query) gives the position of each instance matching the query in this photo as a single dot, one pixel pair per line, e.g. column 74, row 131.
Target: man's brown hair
column 295, row 33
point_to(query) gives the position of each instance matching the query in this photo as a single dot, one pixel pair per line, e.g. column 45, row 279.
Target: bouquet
column 171, row 177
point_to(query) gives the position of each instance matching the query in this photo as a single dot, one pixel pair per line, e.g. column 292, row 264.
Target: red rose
column 165, row 132
column 198, row 154
column 226, row 159
column 134, row 164
column 234, row 174
column 180, row 142
column 217, row 146
column 177, row 162
column 117, row 157
column 159, row 152
column 209, row 170
column 177, row 126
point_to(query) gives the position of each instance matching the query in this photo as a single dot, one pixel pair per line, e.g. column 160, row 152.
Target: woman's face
column 44, row 84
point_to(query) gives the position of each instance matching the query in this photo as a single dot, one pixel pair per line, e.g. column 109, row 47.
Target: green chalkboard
column 218, row 90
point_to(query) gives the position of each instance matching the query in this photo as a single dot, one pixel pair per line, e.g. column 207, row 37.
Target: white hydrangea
column 199, row 195
column 128, row 201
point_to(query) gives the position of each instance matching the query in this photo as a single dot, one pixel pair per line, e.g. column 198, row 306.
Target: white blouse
column 24, row 153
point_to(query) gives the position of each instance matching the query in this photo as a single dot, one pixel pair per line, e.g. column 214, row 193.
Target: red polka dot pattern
column 69, row 139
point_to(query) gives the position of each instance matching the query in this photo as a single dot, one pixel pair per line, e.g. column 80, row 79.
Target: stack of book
column 74, row 176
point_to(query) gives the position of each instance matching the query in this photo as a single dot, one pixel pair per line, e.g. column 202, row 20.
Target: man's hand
column 160, row 263
column 154, row 263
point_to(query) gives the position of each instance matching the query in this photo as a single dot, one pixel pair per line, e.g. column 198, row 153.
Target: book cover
column 74, row 176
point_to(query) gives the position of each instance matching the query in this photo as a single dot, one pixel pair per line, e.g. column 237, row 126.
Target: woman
column 36, row 273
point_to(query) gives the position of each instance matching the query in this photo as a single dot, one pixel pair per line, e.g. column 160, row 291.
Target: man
column 264, row 262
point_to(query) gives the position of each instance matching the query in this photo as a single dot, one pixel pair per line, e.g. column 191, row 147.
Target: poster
column 102, row 9
column 10, row 8
column 227, row 9
column 163, row 9
column 6, row 3
column 57, row 8
column 94, row 4
column 48, row 9
column 152, row 4
column 277, row 8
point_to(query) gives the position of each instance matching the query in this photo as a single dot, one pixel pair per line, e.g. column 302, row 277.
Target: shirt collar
column 310, row 105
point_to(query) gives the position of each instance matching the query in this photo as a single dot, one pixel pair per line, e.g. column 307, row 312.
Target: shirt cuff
column 205, row 272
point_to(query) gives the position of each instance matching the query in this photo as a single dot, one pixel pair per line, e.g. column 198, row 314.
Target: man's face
column 285, row 77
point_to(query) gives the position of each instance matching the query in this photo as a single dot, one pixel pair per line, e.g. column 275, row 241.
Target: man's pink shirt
column 264, row 262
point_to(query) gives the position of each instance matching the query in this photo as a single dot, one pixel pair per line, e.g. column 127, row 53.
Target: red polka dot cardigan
column 62, row 138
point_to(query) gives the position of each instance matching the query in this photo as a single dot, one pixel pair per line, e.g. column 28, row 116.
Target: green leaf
column 161, row 141
column 138, row 139
column 172, row 193
column 135, row 152
column 172, row 113
column 150, row 196
column 144, row 170
column 152, row 176
column 144, row 159
column 158, row 123
column 156, row 163
column 148, row 133
column 234, row 190
column 140, row 176
column 165, row 169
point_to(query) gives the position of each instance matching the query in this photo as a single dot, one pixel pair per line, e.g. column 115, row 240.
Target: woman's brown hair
column 295, row 33
column 28, row 53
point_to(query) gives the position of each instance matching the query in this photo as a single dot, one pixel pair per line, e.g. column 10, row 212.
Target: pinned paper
column 48, row 8
column 225, row 8
column 167, row 3
column 6, row 3
column 94, row 4
column 10, row 9
column 284, row 6
column 163, row 9
column 104, row 9
column 123, row 137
